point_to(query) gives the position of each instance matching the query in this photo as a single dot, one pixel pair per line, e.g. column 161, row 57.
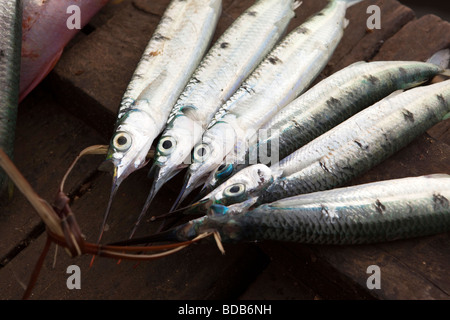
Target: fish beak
column 118, row 177
column 191, row 182
column 185, row 191
column 160, row 176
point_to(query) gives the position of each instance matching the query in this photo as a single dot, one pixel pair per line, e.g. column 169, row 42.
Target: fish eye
column 166, row 145
column 122, row 141
column 201, row 152
column 224, row 171
column 235, row 190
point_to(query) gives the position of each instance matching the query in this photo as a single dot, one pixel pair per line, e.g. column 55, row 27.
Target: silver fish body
column 10, row 50
column 285, row 73
column 368, row 213
column 229, row 61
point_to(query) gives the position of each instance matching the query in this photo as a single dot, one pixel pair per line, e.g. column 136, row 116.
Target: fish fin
column 351, row 2
column 157, row 82
column 437, row 175
column 446, row 73
column 393, row 94
column 396, row 92
column 346, row 23
column 296, row 4
column 447, row 116
column 357, row 63
column 283, row 23
column 441, row 58
column 217, row 4
column 217, row 210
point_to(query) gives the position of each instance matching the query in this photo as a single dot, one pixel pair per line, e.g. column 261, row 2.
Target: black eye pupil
column 122, row 140
column 234, row 189
column 167, row 144
column 201, row 152
column 222, row 166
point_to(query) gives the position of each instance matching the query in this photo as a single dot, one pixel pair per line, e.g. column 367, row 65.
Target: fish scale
column 153, row 62
column 407, row 211
column 10, row 49
column 365, row 140
column 210, row 85
column 324, row 106
column 327, row 104
column 299, row 124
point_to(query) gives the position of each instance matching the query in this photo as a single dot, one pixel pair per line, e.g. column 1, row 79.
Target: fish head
column 221, row 174
column 128, row 149
column 130, row 143
column 217, row 143
column 226, row 221
column 174, row 149
column 244, row 185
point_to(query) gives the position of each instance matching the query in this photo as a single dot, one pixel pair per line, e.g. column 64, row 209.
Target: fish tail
column 296, row 4
column 447, row 116
column 441, row 58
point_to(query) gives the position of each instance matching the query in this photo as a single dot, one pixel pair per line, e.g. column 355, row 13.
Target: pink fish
column 46, row 33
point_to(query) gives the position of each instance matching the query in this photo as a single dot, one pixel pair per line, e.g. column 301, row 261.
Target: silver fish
column 231, row 59
column 368, row 213
column 340, row 154
column 286, row 72
column 361, row 142
column 169, row 60
column 10, row 50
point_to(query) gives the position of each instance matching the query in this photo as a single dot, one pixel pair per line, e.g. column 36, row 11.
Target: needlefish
column 230, row 60
column 342, row 153
column 10, row 50
column 327, row 104
column 285, row 73
column 174, row 51
column 362, row 214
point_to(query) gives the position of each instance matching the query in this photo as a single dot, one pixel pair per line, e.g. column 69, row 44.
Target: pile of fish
column 272, row 154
